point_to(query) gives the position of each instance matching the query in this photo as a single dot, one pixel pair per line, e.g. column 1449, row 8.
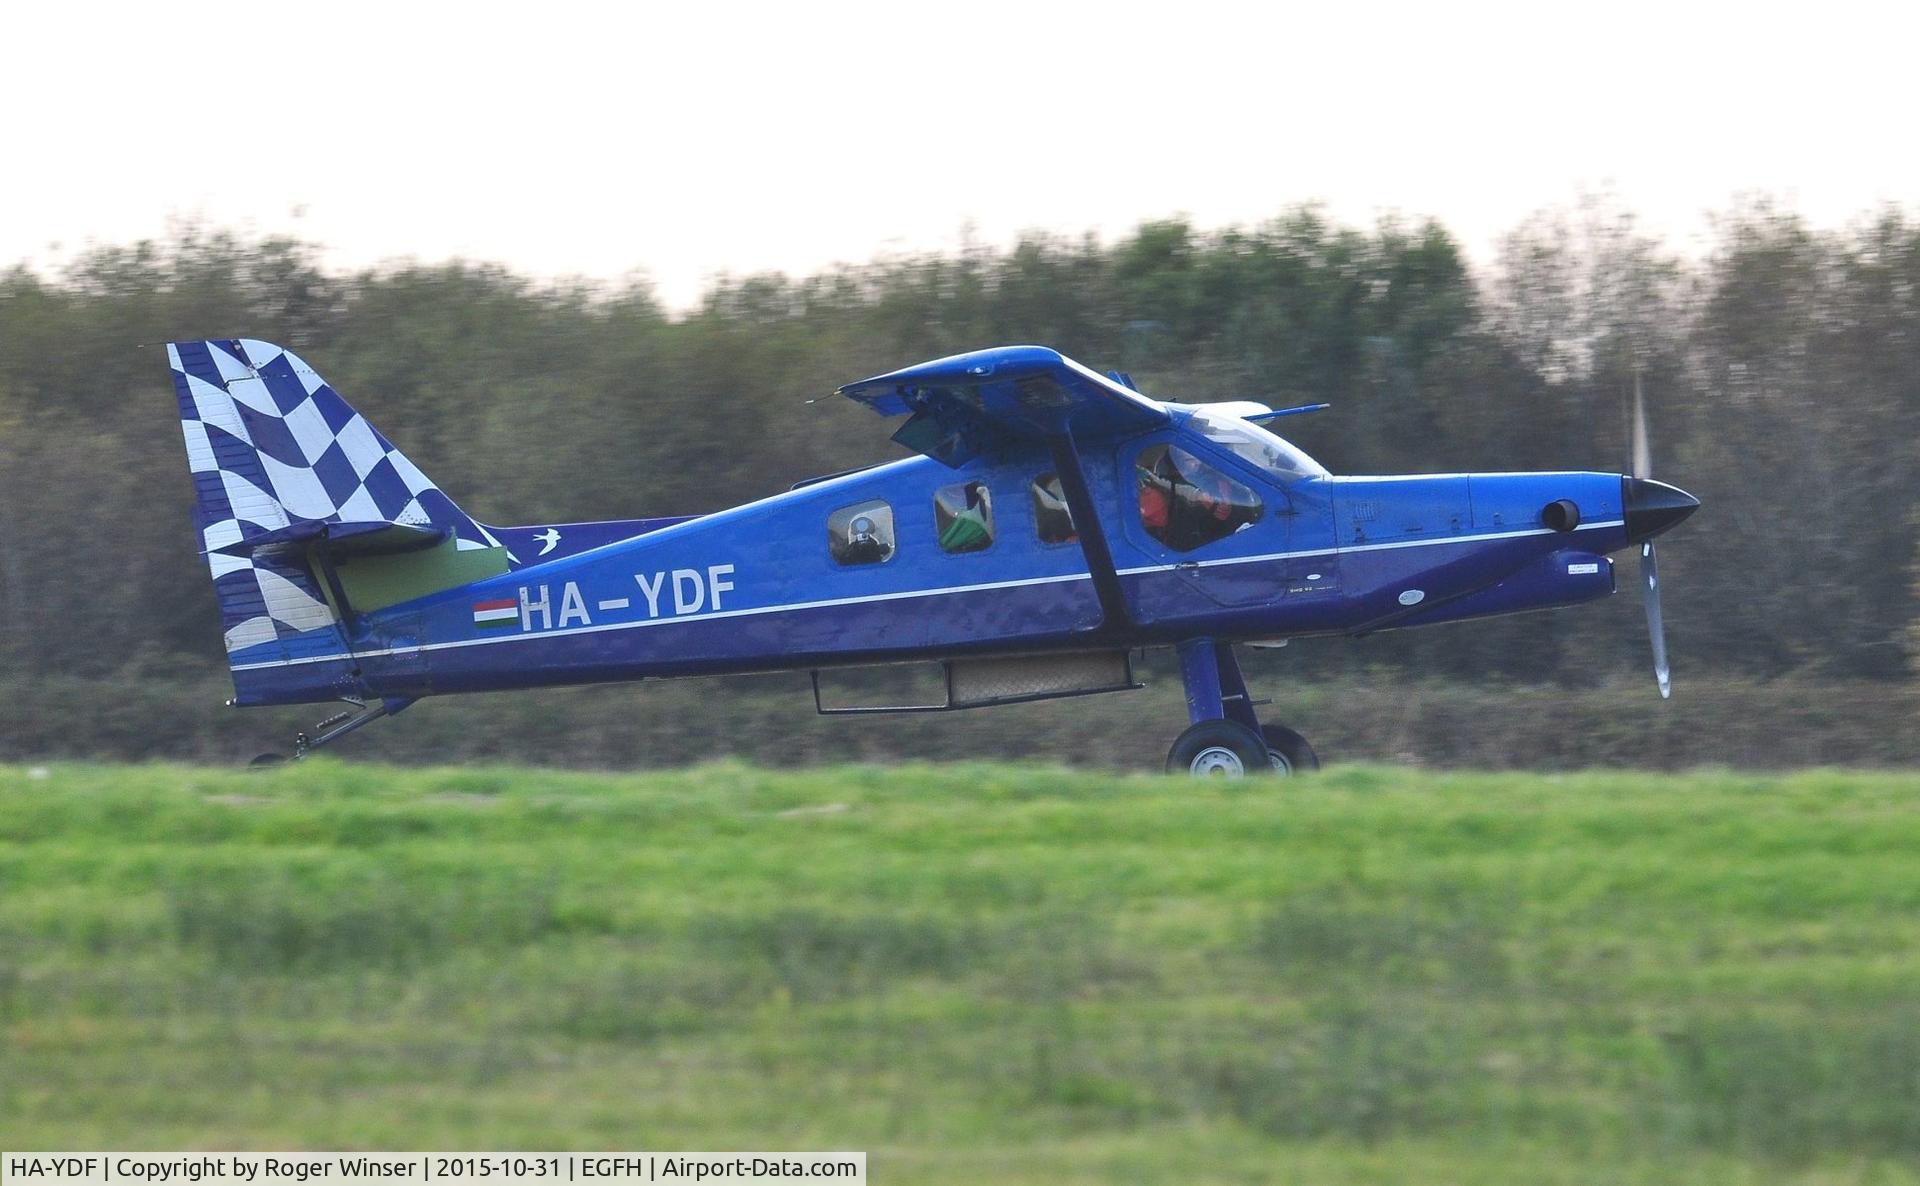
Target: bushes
column 769, row 720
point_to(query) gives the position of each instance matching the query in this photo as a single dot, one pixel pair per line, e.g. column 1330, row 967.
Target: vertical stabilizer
column 280, row 462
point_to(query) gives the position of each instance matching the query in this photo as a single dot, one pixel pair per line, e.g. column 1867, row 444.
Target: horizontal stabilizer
column 343, row 539
column 1299, row 410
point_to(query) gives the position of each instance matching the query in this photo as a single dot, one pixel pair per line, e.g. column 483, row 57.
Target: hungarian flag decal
column 493, row 615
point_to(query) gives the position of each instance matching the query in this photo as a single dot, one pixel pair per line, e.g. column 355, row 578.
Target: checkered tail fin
column 279, row 460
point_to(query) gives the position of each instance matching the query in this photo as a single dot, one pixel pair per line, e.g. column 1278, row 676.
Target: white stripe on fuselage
column 1405, row 543
column 904, row 594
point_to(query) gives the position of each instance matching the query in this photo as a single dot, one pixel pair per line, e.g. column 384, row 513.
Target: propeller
column 1649, row 569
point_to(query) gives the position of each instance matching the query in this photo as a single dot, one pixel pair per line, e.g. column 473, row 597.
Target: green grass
column 977, row 973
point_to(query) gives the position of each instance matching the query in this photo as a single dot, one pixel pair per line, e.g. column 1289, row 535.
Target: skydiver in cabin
column 967, row 529
column 864, row 545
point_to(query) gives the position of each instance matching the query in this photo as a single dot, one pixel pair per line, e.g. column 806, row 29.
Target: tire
column 1218, row 749
column 1288, row 752
column 267, row 762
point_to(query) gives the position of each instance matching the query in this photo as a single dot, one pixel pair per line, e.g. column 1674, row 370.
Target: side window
column 861, row 533
column 1052, row 521
column 963, row 515
column 1186, row 503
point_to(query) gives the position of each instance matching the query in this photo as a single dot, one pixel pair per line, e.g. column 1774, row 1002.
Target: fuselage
column 776, row 584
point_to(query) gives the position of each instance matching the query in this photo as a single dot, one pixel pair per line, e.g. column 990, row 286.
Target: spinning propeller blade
column 1642, row 452
column 1649, row 570
column 1656, row 628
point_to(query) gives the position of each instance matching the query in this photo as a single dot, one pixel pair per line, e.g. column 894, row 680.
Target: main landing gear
column 333, row 728
column 1226, row 738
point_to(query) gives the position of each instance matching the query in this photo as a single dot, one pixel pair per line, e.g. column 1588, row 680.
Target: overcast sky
column 686, row 140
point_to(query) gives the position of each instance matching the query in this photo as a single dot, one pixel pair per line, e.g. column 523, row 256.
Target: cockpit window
column 1257, row 446
column 1186, row 503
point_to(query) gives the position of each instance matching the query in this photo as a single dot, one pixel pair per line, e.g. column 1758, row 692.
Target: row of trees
column 1783, row 373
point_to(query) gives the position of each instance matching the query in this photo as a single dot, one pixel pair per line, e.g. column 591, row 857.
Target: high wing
column 975, row 403
column 969, row 404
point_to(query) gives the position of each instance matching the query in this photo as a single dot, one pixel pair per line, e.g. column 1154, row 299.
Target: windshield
column 1256, row 445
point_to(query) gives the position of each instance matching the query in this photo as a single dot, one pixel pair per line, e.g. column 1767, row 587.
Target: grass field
column 976, row 973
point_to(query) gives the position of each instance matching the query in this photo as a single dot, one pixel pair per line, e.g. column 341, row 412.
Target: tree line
column 1782, row 370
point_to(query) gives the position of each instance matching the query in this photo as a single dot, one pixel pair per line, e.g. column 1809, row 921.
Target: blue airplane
column 1056, row 522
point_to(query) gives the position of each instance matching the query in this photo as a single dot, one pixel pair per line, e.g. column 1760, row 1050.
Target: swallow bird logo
column 550, row 538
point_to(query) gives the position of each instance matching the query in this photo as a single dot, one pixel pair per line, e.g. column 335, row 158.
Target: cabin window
column 963, row 517
column 1186, row 503
column 861, row 533
column 1052, row 520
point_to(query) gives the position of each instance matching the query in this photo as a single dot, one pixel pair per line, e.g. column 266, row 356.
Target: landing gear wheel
column 1288, row 752
column 267, row 762
column 1218, row 749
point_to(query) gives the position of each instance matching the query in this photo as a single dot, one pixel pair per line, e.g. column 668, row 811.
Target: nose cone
column 1653, row 507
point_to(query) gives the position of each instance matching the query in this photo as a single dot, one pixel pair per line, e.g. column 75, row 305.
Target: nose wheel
column 1226, row 738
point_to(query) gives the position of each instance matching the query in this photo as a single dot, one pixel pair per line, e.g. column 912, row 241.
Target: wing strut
column 1086, row 522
